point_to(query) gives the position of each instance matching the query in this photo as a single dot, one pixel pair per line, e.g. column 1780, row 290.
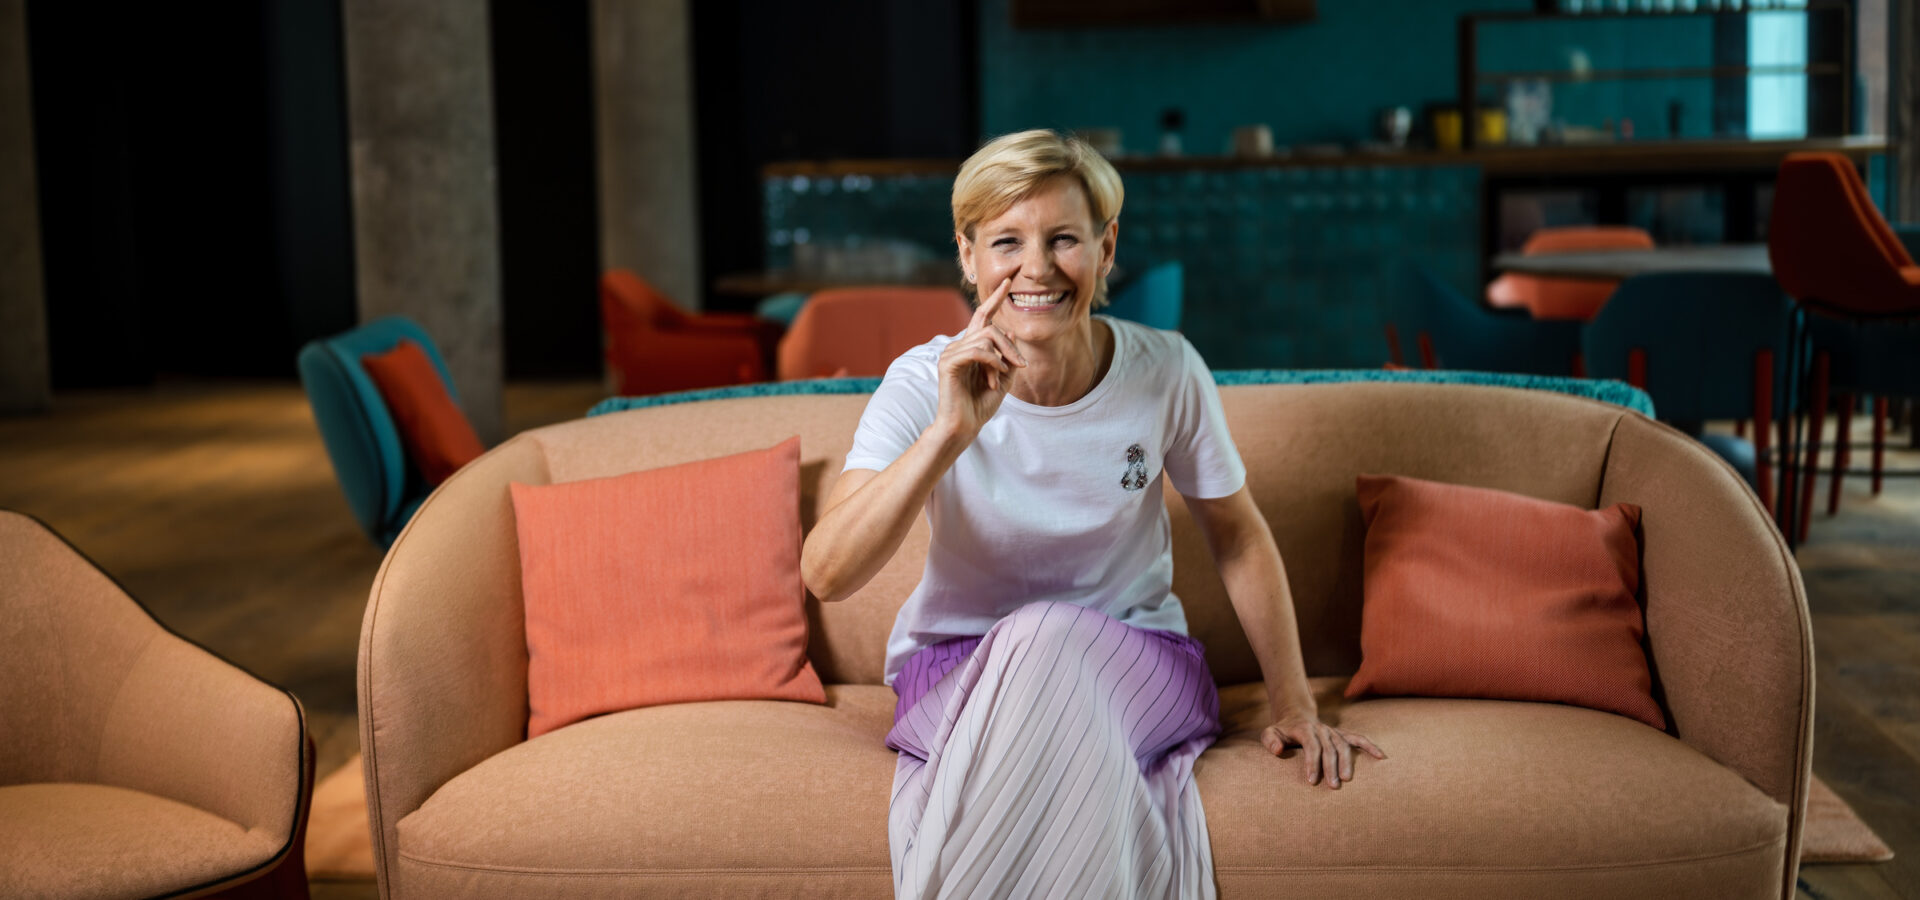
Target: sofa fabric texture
column 135, row 763
column 623, row 613
column 1473, row 592
column 1479, row 798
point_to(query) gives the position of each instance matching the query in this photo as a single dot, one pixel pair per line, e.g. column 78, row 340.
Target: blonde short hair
column 1012, row 167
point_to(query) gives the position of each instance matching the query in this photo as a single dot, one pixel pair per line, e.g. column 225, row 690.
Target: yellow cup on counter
column 1490, row 127
column 1446, row 129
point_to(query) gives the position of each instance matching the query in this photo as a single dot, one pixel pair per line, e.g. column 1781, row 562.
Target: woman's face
column 1053, row 253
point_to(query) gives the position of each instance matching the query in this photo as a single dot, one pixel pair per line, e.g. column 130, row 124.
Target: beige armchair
column 134, row 763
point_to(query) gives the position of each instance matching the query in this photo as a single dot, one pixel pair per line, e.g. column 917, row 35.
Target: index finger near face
column 989, row 306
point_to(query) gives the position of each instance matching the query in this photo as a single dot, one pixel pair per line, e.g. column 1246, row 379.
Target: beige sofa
column 1479, row 799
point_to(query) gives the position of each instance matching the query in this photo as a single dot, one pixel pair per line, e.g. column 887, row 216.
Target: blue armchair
column 366, row 450
column 1153, row 299
column 1454, row 332
column 1704, row 345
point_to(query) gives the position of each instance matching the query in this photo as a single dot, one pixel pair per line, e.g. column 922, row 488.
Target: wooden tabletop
column 779, row 281
column 1619, row 265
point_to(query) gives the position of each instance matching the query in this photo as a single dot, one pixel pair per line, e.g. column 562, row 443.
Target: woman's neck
column 1064, row 370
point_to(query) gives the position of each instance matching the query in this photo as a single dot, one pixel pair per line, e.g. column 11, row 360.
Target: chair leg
column 1393, row 345
column 1814, row 425
column 1740, row 428
column 1762, row 425
column 1790, row 427
column 1842, row 451
column 1427, row 358
column 1879, row 439
column 1783, row 495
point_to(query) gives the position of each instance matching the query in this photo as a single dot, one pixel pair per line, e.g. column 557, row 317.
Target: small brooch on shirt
column 1136, row 474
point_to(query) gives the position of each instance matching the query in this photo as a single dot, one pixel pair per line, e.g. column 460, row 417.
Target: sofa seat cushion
column 1478, row 798
column 753, row 792
column 1482, row 798
column 95, row 840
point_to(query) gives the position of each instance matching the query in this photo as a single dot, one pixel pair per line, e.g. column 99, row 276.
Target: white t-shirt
column 1056, row 502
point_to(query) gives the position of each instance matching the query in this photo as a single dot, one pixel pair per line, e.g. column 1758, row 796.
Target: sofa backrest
column 1303, row 444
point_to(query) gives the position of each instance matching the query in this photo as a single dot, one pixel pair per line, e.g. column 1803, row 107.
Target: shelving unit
column 1471, row 79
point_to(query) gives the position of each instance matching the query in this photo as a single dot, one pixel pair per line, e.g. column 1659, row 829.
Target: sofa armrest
column 443, row 649
column 1728, row 633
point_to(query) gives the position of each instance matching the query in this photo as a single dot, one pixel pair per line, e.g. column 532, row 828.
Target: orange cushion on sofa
column 1472, row 592
column 665, row 586
column 437, row 435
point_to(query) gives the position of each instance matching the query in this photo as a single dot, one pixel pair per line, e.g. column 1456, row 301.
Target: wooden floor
column 215, row 505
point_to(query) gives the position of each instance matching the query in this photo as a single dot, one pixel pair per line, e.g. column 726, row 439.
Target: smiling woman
column 1051, row 704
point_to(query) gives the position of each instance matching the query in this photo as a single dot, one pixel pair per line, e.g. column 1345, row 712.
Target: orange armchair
column 652, row 347
column 1835, row 254
column 1565, row 298
column 859, row 331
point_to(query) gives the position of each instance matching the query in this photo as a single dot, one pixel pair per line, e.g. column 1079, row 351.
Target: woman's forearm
column 1249, row 564
column 1257, row 584
column 860, row 531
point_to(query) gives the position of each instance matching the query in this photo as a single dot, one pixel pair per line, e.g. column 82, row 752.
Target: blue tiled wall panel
column 1325, row 80
column 1285, row 266
column 1310, row 82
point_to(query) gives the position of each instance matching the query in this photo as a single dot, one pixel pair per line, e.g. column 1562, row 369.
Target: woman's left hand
column 1325, row 749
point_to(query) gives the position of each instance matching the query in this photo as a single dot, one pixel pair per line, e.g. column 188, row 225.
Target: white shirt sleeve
column 1202, row 461
column 899, row 410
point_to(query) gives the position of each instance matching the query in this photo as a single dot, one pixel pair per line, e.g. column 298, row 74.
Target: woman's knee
column 1050, row 622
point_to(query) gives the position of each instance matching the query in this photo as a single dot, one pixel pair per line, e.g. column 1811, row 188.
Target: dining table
column 1619, row 265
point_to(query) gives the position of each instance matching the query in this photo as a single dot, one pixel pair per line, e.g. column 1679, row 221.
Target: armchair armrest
column 725, row 322
column 1729, row 637
column 443, row 648
column 97, row 691
column 650, row 362
column 192, row 727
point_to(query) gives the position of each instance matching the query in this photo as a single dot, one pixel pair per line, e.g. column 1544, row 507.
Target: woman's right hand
column 976, row 368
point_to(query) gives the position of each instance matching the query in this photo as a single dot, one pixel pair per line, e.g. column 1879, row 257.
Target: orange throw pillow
column 665, row 586
column 1472, row 592
column 436, row 433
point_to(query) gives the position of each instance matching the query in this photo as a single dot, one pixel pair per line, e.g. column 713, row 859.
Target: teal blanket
column 1614, row 392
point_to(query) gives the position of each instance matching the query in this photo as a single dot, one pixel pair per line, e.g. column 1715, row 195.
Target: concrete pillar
column 643, row 90
column 26, row 383
column 425, row 209
column 1903, row 110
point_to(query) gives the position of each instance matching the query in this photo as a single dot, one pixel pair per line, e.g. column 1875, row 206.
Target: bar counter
column 1296, row 260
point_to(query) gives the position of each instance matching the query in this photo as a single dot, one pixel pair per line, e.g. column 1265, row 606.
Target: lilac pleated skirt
column 1053, row 757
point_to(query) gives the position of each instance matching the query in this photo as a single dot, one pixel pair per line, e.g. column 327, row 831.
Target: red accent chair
column 1565, row 298
column 1834, row 253
column 652, row 347
column 859, row 331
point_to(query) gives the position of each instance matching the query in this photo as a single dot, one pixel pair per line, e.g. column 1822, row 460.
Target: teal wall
column 1311, row 82
column 1324, row 80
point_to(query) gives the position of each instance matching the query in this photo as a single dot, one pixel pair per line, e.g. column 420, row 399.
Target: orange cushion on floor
column 665, row 586
column 437, row 435
column 1472, row 592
